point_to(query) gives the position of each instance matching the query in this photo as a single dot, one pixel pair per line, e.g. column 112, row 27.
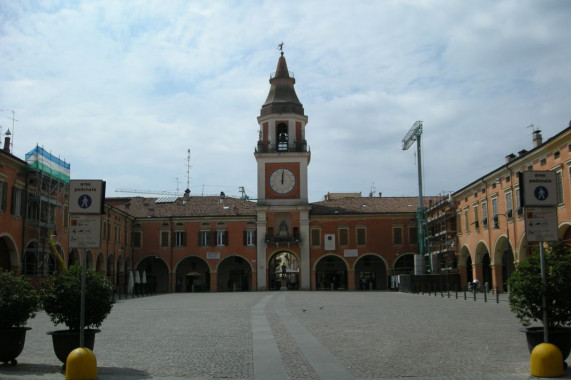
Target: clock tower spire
column 282, row 210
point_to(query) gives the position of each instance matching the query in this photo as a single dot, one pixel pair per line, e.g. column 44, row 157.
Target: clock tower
column 282, row 157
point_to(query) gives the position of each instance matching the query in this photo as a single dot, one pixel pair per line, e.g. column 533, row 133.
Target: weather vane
column 281, row 47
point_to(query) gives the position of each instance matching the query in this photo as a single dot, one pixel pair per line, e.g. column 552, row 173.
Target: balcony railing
column 272, row 148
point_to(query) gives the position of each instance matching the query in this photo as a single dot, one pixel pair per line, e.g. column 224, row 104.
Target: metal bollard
column 474, row 294
column 486, row 296
column 497, row 295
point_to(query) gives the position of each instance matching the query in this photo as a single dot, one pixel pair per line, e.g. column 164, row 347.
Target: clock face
column 282, row 181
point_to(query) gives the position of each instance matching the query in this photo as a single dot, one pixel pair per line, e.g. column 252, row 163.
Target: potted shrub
column 18, row 303
column 526, row 291
column 60, row 298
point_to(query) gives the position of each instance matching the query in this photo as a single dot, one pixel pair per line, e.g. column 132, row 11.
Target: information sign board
column 541, row 224
column 84, row 231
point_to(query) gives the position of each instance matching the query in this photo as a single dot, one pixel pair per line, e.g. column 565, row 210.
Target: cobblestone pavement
column 295, row 335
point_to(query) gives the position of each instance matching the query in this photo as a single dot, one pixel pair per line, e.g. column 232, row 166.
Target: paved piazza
column 295, row 335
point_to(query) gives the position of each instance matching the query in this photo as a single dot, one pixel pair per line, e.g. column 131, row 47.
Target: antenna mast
column 188, row 170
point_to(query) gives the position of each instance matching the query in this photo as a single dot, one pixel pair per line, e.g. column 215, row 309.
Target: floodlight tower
column 414, row 135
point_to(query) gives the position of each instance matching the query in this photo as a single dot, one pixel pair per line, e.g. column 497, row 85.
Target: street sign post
column 538, row 191
column 86, row 204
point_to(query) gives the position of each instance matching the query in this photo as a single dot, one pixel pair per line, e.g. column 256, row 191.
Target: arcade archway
column 331, row 273
column 283, row 271
column 370, row 273
column 192, row 275
column 404, row 264
column 8, row 255
column 234, row 274
column 156, row 273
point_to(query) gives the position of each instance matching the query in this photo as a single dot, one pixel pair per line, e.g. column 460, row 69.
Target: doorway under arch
column 234, row 274
column 331, row 273
column 371, row 273
column 283, row 271
column 192, row 275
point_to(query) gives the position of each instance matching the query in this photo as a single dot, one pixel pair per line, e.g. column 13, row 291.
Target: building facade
column 489, row 216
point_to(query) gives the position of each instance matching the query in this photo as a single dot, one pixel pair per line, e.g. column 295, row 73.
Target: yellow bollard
column 81, row 364
column 546, row 361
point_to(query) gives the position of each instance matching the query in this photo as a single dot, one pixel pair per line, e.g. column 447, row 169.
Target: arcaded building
column 489, row 216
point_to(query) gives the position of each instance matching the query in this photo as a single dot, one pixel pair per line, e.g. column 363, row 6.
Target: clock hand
column 282, row 176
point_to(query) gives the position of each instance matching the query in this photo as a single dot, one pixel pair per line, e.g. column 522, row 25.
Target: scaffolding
column 45, row 216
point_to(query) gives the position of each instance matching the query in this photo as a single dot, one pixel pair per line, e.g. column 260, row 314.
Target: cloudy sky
column 122, row 89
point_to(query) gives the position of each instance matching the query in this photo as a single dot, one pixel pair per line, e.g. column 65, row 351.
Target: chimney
column 537, row 139
column 7, row 141
column 510, row 157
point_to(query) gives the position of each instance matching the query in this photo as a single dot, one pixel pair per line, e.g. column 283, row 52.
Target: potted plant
column 60, row 298
column 18, row 303
column 527, row 289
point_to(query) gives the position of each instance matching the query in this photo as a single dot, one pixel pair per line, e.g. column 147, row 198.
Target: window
column 559, row 184
column 459, row 222
column 343, row 236
column 361, row 235
column 117, row 234
column 3, row 195
column 476, row 217
column 466, row 220
column 509, row 205
column 250, row 237
column 485, row 214
column 104, row 230
column 495, row 212
column 16, row 204
column 204, row 238
column 136, row 238
column 315, row 237
column 519, row 209
column 397, row 235
column 222, row 237
column 164, row 239
column 413, row 235
column 179, row 238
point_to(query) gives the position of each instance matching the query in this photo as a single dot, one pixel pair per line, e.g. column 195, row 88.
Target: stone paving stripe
column 267, row 358
column 325, row 365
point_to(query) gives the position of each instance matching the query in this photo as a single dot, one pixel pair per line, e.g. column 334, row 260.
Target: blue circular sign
column 541, row 193
column 84, row 201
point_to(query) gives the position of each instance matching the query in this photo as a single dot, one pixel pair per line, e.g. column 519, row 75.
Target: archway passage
column 283, row 271
column 7, row 252
column 156, row 273
column 234, row 274
column 331, row 274
column 469, row 272
column 404, row 264
column 371, row 273
column 192, row 275
column 486, row 270
column 508, row 268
